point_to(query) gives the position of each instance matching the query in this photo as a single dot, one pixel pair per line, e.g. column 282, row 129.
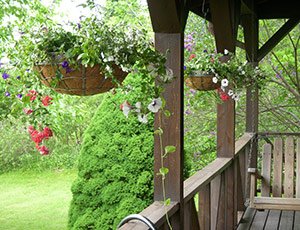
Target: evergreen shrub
column 115, row 176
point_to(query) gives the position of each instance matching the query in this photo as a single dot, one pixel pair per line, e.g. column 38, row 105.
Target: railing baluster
column 204, row 208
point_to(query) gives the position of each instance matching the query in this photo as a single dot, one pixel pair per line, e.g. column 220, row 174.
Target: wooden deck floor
column 270, row 220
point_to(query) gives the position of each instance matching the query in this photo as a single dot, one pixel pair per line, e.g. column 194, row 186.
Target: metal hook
column 137, row 217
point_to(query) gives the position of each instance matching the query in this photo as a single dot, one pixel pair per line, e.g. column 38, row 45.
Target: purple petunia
column 65, row 64
column 7, row 94
column 19, row 95
column 68, row 69
column 5, row 76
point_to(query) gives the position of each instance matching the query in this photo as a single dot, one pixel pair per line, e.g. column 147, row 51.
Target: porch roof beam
column 277, row 37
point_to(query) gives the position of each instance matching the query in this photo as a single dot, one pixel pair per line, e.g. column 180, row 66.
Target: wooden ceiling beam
column 225, row 19
column 277, row 37
column 168, row 16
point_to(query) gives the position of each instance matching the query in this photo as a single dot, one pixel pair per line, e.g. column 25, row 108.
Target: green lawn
column 35, row 200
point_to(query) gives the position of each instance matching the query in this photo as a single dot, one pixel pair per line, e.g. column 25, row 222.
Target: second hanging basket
column 200, row 81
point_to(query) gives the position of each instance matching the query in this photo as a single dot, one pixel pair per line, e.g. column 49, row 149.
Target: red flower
column 30, row 129
column 192, row 56
column 223, row 95
column 47, row 100
column 43, row 149
column 47, row 132
column 27, row 111
column 37, row 136
column 32, row 94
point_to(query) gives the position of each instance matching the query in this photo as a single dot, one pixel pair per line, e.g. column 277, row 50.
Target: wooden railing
column 220, row 197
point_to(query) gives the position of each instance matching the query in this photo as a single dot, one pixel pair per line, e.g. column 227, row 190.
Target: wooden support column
column 173, row 126
column 250, row 24
column 168, row 19
column 225, row 19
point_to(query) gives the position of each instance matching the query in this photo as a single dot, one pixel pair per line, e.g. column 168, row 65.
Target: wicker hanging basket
column 201, row 82
column 82, row 81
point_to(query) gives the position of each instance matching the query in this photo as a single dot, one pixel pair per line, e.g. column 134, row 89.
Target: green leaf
column 167, row 202
column 170, row 149
column 167, row 113
column 163, row 171
column 159, row 131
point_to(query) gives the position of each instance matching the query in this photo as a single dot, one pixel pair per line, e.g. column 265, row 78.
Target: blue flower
column 65, row 64
column 19, row 96
column 18, row 77
column 5, row 75
column 7, row 94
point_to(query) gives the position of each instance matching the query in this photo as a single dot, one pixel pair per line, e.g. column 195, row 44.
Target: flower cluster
column 142, row 115
column 228, row 70
column 38, row 137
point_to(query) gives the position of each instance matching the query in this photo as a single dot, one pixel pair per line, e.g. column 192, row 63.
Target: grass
column 32, row 201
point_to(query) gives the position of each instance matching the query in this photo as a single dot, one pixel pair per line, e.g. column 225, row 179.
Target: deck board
column 286, row 220
column 269, row 220
column 297, row 220
column 246, row 220
column 273, row 220
column 259, row 220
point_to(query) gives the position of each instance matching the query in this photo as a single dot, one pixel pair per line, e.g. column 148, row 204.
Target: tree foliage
column 115, row 166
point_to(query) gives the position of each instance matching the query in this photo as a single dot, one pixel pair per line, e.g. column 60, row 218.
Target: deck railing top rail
column 156, row 211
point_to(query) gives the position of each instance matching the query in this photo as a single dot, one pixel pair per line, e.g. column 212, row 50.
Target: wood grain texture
column 297, row 220
column 298, row 168
column 273, row 220
column 289, row 167
column 266, row 170
column 286, row 220
column 173, row 126
column 247, row 219
column 204, row 207
column 277, row 169
column 259, row 220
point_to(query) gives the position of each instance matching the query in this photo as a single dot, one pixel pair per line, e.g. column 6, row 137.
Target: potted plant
column 86, row 58
column 219, row 71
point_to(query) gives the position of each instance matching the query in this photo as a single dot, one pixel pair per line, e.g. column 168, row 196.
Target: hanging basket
column 82, row 81
column 201, row 82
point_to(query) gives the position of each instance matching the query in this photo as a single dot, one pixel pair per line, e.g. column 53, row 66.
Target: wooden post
column 225, row 19
column 250, row 24
column 173, row 126
column 168, row 19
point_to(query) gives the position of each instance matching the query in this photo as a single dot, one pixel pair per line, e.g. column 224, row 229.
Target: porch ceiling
column 265, row 9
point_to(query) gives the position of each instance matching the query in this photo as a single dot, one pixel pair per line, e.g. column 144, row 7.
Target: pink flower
column 27, row 111
column 30, row 129
column 47, row 100
column 47, row 132
column 32, row 94
column 43, row 150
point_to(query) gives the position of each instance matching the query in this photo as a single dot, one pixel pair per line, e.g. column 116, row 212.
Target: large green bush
column 115, row 165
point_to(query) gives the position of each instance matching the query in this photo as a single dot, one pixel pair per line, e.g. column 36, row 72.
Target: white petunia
column 226, row 51
column 224, row 83
column 215, row 80
column 142, row 118
column 235, row 97
column 230, row 92
column 155, row 105
column 138, row 107
column 125, row 107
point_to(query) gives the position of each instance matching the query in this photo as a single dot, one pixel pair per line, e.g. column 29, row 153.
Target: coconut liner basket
column 81, row 81
column 202, row 82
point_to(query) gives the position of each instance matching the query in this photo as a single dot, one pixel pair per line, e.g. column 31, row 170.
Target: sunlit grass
column 35, row 200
